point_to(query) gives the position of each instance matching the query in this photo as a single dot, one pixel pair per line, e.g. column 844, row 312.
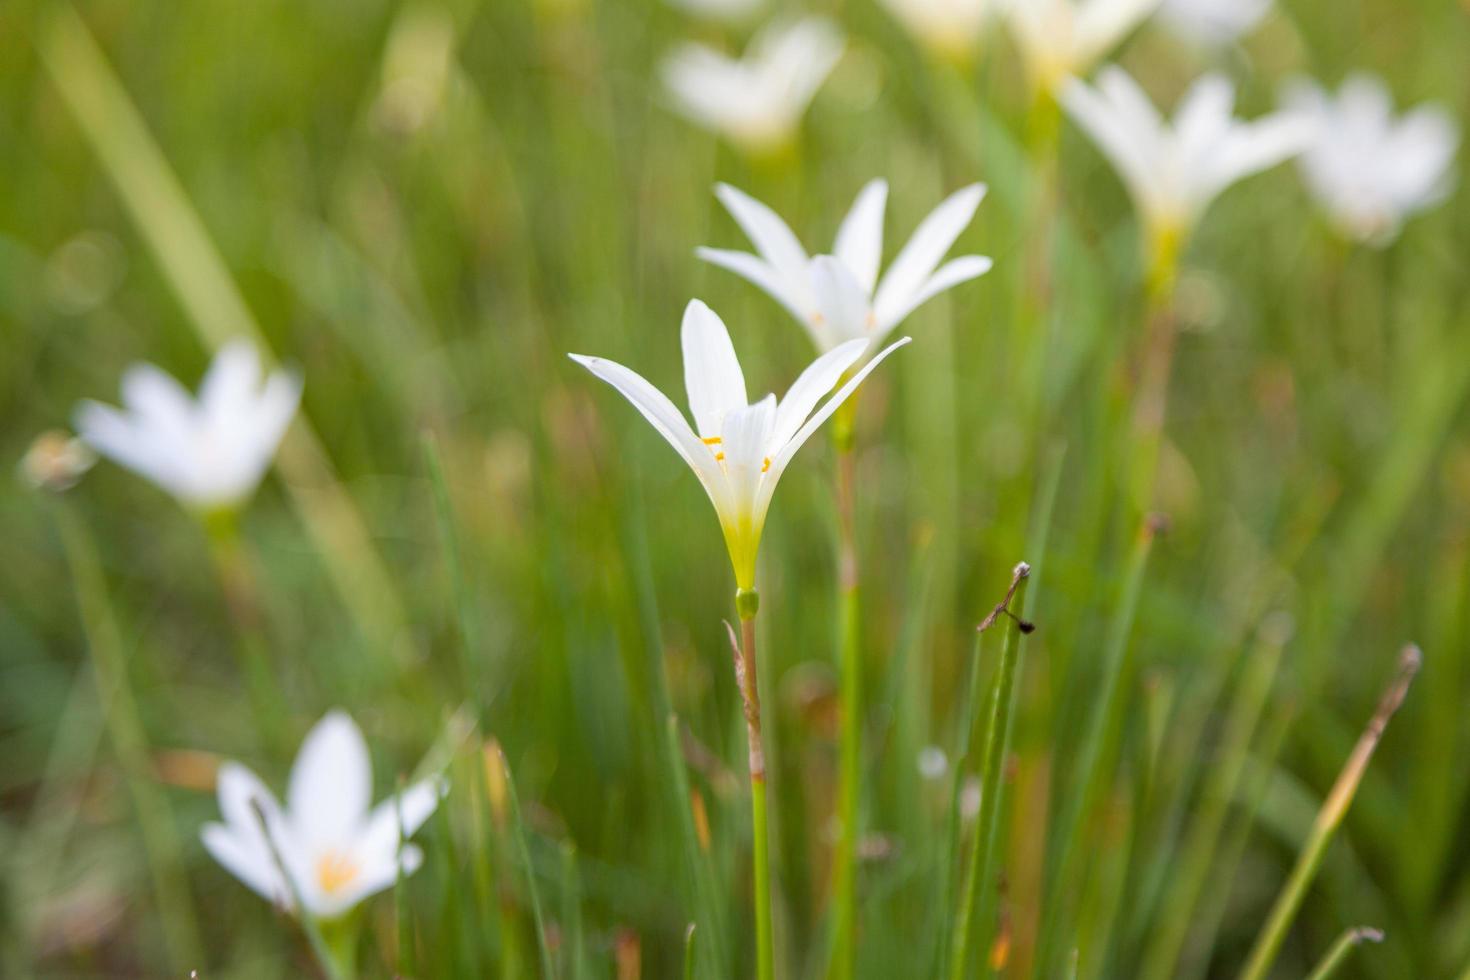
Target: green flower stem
column 1338, row 954
column 844, row 861
column 997, row 742
column 1334, row 808
column 1155, row 369
column 746, row 602
column 327, row 953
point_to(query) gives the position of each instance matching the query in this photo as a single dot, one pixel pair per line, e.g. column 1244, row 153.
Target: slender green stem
column 1334, row 808
column 326, row 953
column 844, row 861
column 745, row 677
column 571, row 917
column 523, row 846
column 997, row 743
column 1342, row 949
column 1152, row 396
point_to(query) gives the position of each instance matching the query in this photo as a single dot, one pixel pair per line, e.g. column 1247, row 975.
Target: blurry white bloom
column 933, row 763
column 56, row 461
column 728, row 11
column 1369, row 169
column 970, row 796
column 737, row 449
column 950, row 28
column 838, row 297
column 210, row 453
column 756, row 101
column 1212, row 22
column 336, row 850
column 1059, row 38
column 1173, row 171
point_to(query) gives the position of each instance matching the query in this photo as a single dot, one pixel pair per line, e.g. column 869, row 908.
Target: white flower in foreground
column 1212, row 23
column 210, row 453
column 1174, row 170
column 737, row 449
column 951, row 28
column 1370, row 170
column 336, row 850
column 839, row 297
column 1059, row 38
column 756, row 101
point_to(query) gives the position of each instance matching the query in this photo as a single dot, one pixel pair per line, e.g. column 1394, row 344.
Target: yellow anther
column 766, row 465
column 711, row 440
column 335, row 871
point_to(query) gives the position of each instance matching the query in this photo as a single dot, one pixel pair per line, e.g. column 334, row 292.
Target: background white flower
column 838, row 297
column 1058, row 38
column 738, row 449
column 1212, row 22
column 1174, row 170
column 758, row 100
column 209, row 453
column 1369, row 169
column 335, row 848
column 951, row 28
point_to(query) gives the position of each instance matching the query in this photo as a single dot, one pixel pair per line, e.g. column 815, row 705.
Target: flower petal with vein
column 1059, row 38
column 1212, row 23
column 755, row 101
column 737, row 448
column 839, row 297
column 1367, row 167
column 1173, row 170
column 210, row 452
column 337, row 848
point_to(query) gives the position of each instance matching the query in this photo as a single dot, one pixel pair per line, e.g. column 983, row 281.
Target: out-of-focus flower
column 1174, row 170
column 758, row 100
column 1213, row 23
column 1059, row 38
column 336, row 850
column 1369, row 169
column 838, row 297
column 932, row 762
column 56, row 461
column 725, row 11
column 737, row 449
column 210, row 453
column 949, row 28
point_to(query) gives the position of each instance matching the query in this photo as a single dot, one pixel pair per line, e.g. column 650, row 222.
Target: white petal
column 1253, row 148
column 382, row 834
column 1100, row 24
column 949, row 275
column 712, row 375
column 331, row 782
column 121, row 439
column 1134, row 154
column 760, row 274
column 771, row 236
column 845, row 309
column 859, row 243
column 275, row 409
column 248, row 862
column 918, row 259
column 746, row 436
column 375, row 876
column 820, row 377
column 231, row 382
column 157, row 399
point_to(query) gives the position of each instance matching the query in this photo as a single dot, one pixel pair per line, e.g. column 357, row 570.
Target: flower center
column 713, row 441
column 335, row 871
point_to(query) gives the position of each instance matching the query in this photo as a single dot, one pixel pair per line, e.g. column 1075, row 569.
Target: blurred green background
column 425, row 205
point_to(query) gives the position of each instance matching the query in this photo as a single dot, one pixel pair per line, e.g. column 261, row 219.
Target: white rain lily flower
column 950, row 28
column 336, row 850
column 756, row 101
column 210, row 453
column 838, row 297
column 1059, row 38
column 1370, row 170
column 738, row 449
column 1174, row 170
column 1212, row 23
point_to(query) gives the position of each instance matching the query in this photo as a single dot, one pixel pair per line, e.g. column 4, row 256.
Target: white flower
column 1059, row 38
column 737, row 449
column 210, row 453
column 1212, row 23
column 728, row 11
column 932, row 762
column 949, row 27
column 1173, row 171
column 838, row 297
column 336, row 850
column 1369, row 169
column 756, row 101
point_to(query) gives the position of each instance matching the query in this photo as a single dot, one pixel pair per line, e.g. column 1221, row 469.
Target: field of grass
column 487, row 558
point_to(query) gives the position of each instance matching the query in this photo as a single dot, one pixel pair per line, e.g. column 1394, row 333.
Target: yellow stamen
column 335, row 871
column 711, row 440
column 766, row 465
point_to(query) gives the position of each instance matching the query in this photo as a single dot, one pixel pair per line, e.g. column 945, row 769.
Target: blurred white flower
column 56, row 461
column 737, row 449
column 756, row 101
column 1059, row 38
column 1213, row 23
column 838, row 297
column 336, row 850
column 727, row 11
column 210, row 453
column 950, row 28
column 1174, row 170
column 1368, row 169
column 932, row 762
column 970, row 795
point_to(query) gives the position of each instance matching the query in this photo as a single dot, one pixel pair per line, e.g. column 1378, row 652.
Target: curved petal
column 919, row 258
column 760, row 274
column 1134, row 154
column 844, row 304
column 157, row 399
column 771, row 236
column 331, row 782
column 859, row 244
column 118, row 437
column 712, row 375
column 233, row 378
column 416, row 803
column 275, row 408
column 949, row 275
column 248, row 862
column 820, row 377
